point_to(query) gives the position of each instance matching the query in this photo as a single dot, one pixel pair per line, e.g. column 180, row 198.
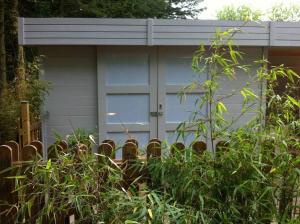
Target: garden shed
column 113, row 76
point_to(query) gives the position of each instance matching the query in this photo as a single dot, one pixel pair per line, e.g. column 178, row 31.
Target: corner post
column 25, row 123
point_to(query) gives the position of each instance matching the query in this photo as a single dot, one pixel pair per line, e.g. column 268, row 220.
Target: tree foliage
column 278, row 12
column 111, row 8
column 240, row 13
column 281, row 12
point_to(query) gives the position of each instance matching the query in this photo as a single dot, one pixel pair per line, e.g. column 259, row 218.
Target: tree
column 111, row 8
column 240, row 13
column 281, row 12
column 3, row 80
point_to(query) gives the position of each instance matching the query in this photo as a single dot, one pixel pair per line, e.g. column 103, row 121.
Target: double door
column 138, row 92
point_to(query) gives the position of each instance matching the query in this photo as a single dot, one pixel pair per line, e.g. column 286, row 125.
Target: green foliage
column 283, row 12
column 278, row 12
column 9, row 114
column 253, row 180
column 80, row 136
column 111, row 8
column 266, row 146
column 37, row 88
column 10, row 104
column 240, row 186
column 240, row 13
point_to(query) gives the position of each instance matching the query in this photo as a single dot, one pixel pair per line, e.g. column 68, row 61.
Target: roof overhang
column 152, row 32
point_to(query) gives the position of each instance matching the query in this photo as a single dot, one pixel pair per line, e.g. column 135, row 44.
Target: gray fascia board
column 149, row 32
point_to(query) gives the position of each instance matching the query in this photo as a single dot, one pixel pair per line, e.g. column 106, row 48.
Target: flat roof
column 152, row 32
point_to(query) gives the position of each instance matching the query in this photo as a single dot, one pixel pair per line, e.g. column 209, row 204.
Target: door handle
column 156, row 114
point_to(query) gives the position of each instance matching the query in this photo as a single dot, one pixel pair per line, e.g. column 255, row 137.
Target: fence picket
column 129, row 159
column 132, row 140
column 154, row 140
column 106, row 149
column 6, row 185
column 153, row 150
column 39, row 146
column 199, row 147
column 64, row 145
column 111, row 142
column 53, row 151
column 15, row 150
column 29, row 153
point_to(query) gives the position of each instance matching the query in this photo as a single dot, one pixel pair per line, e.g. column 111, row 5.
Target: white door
column 127, row 90
column 138, row 92
column 175, row 72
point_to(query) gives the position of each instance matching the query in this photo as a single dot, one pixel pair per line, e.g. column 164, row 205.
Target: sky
column 263, row 5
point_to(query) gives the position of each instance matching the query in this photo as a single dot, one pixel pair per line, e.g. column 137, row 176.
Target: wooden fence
column 28, row 130
column 13, row 154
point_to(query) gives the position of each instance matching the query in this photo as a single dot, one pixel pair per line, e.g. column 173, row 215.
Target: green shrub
column 253, row 181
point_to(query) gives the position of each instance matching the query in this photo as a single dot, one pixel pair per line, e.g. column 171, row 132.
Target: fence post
column 199, row 147
column 25, row 123
column 6, row 185
column 129, row 160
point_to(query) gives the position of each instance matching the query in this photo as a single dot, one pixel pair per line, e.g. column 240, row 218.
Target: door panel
column 127, row 69
column 138, row 93
column 179, row 109
column 175, row 72
column 127, row 94
column 123, row 105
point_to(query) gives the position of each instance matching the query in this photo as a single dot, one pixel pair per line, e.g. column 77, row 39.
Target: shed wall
column 72, row 102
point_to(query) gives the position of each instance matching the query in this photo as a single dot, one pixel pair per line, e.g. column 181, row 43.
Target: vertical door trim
column 153, row 121
column 161, row 94
column 101, row 93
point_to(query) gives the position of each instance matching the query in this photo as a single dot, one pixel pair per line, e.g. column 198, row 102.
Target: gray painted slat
column 207, row 29
column 288, row 30
column 106, row 31
column 239, row 36
column 286, row 43
column 85, row 21
column 81, row 28
column 85, row 41
column 284, row 25
column 187, row 22
column 287, row 37
column 81, row 35
column 193, row 42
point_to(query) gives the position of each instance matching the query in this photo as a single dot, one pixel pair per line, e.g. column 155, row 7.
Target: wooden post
column 153, row 150
column 15, row 150
column 153, row 156
column 199, row 147
column 6, row 185
column 106, row 149
column 129, row 160
column 29, row 153
column 25, row 123
column 39, row 146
